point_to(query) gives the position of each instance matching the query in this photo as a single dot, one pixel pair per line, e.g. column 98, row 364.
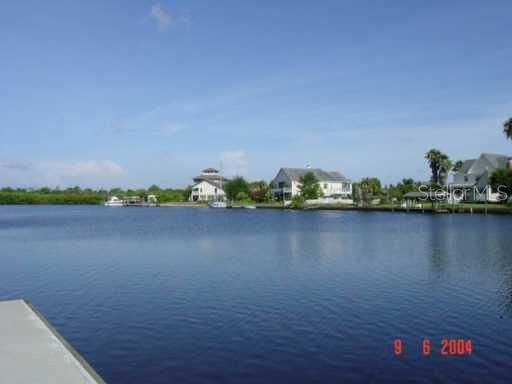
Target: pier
column 32, row 351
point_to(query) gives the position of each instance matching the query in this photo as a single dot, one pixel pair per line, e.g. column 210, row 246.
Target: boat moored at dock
column 217, row 204
column 132, row 201
column 114, row 201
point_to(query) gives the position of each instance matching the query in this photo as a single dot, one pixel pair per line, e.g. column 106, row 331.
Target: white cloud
column 164, row 18
column 160, row 16
column 234, row 162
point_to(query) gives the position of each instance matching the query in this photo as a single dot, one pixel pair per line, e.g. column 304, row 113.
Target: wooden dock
column 32, row 351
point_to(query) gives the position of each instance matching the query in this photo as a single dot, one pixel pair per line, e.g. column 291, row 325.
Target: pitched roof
column 496, row 160
column 215, row 178
column 487, row 162
column 466, row 165
column 296, row 173
column 215, row 183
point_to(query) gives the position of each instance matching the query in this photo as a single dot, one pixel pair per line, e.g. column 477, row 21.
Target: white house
column 333, row 184
column 208, row 186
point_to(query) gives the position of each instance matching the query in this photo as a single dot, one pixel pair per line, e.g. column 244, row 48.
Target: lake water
column 183, row 295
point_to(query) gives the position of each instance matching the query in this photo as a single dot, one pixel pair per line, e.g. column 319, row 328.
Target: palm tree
column 457, row 166
column 440, row 165
column 445, row 167
column 507, row 128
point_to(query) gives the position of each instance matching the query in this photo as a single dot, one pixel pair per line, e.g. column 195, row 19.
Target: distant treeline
column 77, row 195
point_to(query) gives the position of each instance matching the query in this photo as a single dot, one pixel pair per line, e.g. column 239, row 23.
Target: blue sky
column 132, row 93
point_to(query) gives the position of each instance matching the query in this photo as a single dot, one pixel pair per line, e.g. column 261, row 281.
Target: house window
column 281, row 184
column 325, row 186
column 466, row 179
column 215, row 190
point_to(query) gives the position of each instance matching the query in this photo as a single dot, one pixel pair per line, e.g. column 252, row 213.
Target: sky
column 125, row 93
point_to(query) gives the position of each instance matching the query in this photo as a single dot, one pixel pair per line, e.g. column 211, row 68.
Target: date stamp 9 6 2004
column 446, row 347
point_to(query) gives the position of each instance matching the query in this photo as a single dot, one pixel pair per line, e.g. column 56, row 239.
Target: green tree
column 372, row 185
column 439, row 164
column 369, row 188
column 501, row 181
column 309, row 187
column 186, row 193
column 260, row 191
column 356, row 188
column 507, row 128
column 297, row 201
column 236, row 185
column 170, row 195
column 241, row 196
column 458, row 165
column 408, row 185
column 154, row 189
column 405, row 186
column 116, row 191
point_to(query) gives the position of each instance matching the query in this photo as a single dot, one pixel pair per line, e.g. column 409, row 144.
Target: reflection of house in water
column 209, row 185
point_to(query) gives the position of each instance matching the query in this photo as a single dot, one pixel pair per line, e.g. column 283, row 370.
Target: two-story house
column 471, row 182
column 333, row 184
column 208, row 186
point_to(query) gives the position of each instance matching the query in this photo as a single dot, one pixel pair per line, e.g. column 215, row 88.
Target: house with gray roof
column 332, row 183
column 471, row 182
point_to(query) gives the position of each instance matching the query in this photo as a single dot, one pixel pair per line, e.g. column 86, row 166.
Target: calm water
column 260, row 296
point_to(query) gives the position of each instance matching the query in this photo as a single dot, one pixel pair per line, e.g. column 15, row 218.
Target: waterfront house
column 208, row 186
column 471, row 182
column 332, row 183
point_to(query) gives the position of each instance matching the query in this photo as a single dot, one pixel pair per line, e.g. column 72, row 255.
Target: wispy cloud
column 160, row 16
column 104, row 167
column 53, row 173
column 234, row 162
column 147, row 124
column 170, row 129
column 15, row 166
column 163, row 18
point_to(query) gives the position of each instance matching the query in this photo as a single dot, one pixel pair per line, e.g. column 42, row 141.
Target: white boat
column 249, row 207
column 217, row 204
column 114, row 202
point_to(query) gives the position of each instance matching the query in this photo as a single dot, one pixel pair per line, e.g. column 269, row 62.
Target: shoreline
column 470, row 210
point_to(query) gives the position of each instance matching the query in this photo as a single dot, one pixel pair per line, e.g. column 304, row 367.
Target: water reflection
column 264, row 296
column 438, row 249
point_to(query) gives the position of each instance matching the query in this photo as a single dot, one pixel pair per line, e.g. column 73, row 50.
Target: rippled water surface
column 183, row 295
